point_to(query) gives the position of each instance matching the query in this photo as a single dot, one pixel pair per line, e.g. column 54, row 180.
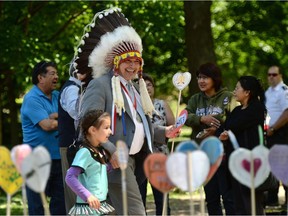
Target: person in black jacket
column 68, row 116
column 243, row 122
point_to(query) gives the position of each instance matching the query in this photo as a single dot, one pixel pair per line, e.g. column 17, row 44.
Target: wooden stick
column 124, row 192
column 202, row 206
column 165, row 200
column 253, row 207
column 24, row 199
column 45, row 204
column 190, row 179
column 8, row 210
column 177, row 110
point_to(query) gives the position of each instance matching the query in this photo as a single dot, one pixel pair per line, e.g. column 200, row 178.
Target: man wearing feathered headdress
column 112, row 50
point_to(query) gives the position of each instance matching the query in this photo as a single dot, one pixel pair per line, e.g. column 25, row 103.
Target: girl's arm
column 73, row 182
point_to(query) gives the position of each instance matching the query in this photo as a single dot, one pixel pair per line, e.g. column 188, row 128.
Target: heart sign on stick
column 18, row 153
column 10, row 179
column 278, row 160
column 36, row 169
column 155, row 171
column 179, row 123
column 213, row 148
column 240, row 165
column 177, row 169
column 181, row 80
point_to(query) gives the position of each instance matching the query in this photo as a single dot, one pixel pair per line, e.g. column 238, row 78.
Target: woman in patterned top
column 163, row 117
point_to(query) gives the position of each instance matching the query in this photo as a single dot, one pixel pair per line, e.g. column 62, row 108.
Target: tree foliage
column 243, row 37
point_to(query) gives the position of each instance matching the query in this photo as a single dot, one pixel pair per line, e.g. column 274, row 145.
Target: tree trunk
column 13, row 113
column 199, row 39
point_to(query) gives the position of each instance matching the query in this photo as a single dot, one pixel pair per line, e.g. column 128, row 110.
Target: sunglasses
column 273, row 74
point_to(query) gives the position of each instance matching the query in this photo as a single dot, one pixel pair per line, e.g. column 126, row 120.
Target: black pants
column 220, row 187
column 279, row 137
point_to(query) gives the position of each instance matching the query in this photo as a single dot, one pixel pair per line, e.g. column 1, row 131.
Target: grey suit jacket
column 98, row 95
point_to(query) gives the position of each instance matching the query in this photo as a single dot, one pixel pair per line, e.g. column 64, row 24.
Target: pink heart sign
column 18, row 153
column 278, row 160
column 240, row 163
column 155, row 171
column 247, row 166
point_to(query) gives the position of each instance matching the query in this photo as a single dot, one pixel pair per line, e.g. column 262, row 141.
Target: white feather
column 98, row 58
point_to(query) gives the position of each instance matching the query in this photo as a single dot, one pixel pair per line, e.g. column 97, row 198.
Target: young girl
column 87, row 176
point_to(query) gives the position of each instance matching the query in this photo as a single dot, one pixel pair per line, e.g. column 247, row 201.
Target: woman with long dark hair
column 243, row 122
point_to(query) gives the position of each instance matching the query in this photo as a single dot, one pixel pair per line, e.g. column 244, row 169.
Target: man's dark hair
column 40, row 68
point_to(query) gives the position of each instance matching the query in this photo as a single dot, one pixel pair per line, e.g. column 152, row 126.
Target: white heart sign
column 177, row 169
column 35, row 169
column 240, row 165
column 181, row 80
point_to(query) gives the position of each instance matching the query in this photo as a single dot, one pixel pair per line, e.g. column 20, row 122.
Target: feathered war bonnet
column 108, row 41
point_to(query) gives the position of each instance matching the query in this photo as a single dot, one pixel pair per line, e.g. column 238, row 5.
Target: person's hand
column 270, row 131
column 210, row 121
column 210, row 131
column 93, row 202
column 114, row 160
column 53, row 116
column 223, row 136
column 172, row 132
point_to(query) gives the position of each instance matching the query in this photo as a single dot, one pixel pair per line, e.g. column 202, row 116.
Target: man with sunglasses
column 277, row 118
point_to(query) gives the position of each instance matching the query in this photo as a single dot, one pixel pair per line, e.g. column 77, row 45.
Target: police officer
column 277, row 118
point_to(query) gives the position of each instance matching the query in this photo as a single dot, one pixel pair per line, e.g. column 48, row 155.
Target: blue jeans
column 220, row 186
column 158, row 198
column 54, row 189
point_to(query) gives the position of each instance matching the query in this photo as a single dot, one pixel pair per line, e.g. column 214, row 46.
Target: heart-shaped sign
column 155, row 171
column 278, row 160
column 212, row 146
column 36, row 169
column 10, row 179
column 241, row 161
column 18, row 153
column 177, row 167
column 181, row 80
column 179, row 123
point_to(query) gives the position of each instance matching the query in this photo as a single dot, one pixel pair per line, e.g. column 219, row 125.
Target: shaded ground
column 180, row 205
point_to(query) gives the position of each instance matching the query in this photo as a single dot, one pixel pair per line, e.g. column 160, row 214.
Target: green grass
column 16, row 206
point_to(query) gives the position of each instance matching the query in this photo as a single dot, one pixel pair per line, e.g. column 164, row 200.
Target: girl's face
column 241, row 94
column 102, row 134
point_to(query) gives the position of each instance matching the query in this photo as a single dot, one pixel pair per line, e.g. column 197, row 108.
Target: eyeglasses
column 272, row 74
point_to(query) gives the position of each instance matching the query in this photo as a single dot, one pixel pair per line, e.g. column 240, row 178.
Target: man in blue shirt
column 39, row 113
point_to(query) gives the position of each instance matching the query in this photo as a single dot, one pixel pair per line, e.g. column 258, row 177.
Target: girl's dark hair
column 254, row 85
column 213, row 71
column 40, row 68
column 92, row 118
